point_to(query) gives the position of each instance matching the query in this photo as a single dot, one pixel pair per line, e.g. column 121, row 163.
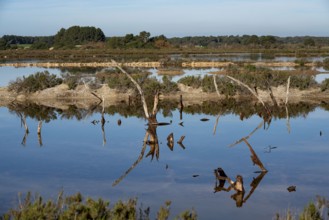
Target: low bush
column 326, row 64
column 324, row 85
column 76, row 207
column 35, row 82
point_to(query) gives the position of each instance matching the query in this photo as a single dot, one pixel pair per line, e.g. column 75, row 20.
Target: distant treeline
column 91, row 37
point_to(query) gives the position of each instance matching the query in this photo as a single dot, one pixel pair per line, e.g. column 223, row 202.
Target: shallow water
column 72, row 154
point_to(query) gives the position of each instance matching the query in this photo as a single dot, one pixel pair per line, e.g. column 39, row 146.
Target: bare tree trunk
column 215, row 84
column 287, row 94
column 272, row 97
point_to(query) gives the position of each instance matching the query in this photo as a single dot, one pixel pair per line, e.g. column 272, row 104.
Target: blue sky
column 168, row 17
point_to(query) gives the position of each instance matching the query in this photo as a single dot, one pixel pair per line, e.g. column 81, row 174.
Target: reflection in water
column 238, row 183
column 242, row 108
column 238, row 186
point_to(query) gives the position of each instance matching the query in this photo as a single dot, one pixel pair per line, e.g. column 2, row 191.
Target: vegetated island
column 111, row 86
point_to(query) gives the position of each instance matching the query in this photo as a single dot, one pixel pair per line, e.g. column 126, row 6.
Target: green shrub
column 302, row 81
column 168, row 86
column 35, row 82
column 193, row 81
column 324, row 85
column 326, row 64
column 76, row 207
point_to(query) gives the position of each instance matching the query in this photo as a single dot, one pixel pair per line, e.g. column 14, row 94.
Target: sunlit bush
column 76, row 207
column 35, row 82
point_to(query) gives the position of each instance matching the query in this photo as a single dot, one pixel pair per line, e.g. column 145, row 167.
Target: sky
column 173, row 18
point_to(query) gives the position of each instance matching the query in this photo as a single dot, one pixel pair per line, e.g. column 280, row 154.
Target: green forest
column 92, row 37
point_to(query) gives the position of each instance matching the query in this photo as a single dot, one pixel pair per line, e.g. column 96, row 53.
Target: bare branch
column 252, row 91
column 137, row 86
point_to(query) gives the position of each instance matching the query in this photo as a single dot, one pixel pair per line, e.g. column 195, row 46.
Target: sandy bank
column 83, row 96
column 197, row 64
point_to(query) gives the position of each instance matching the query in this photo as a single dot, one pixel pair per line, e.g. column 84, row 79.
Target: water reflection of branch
column 254, row 184
column 39, row 132
column 215, row 126
column 181, row 107
column 24, row 138
column 103, row 121
column 216, row 87
column 116, row 182
column 238, row 186
column 23, row 121
column 286, row 105
column 248, row 136
column 288, row 120
column 254, row 157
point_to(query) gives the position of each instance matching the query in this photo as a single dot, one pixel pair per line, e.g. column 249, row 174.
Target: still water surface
column 72, row 154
